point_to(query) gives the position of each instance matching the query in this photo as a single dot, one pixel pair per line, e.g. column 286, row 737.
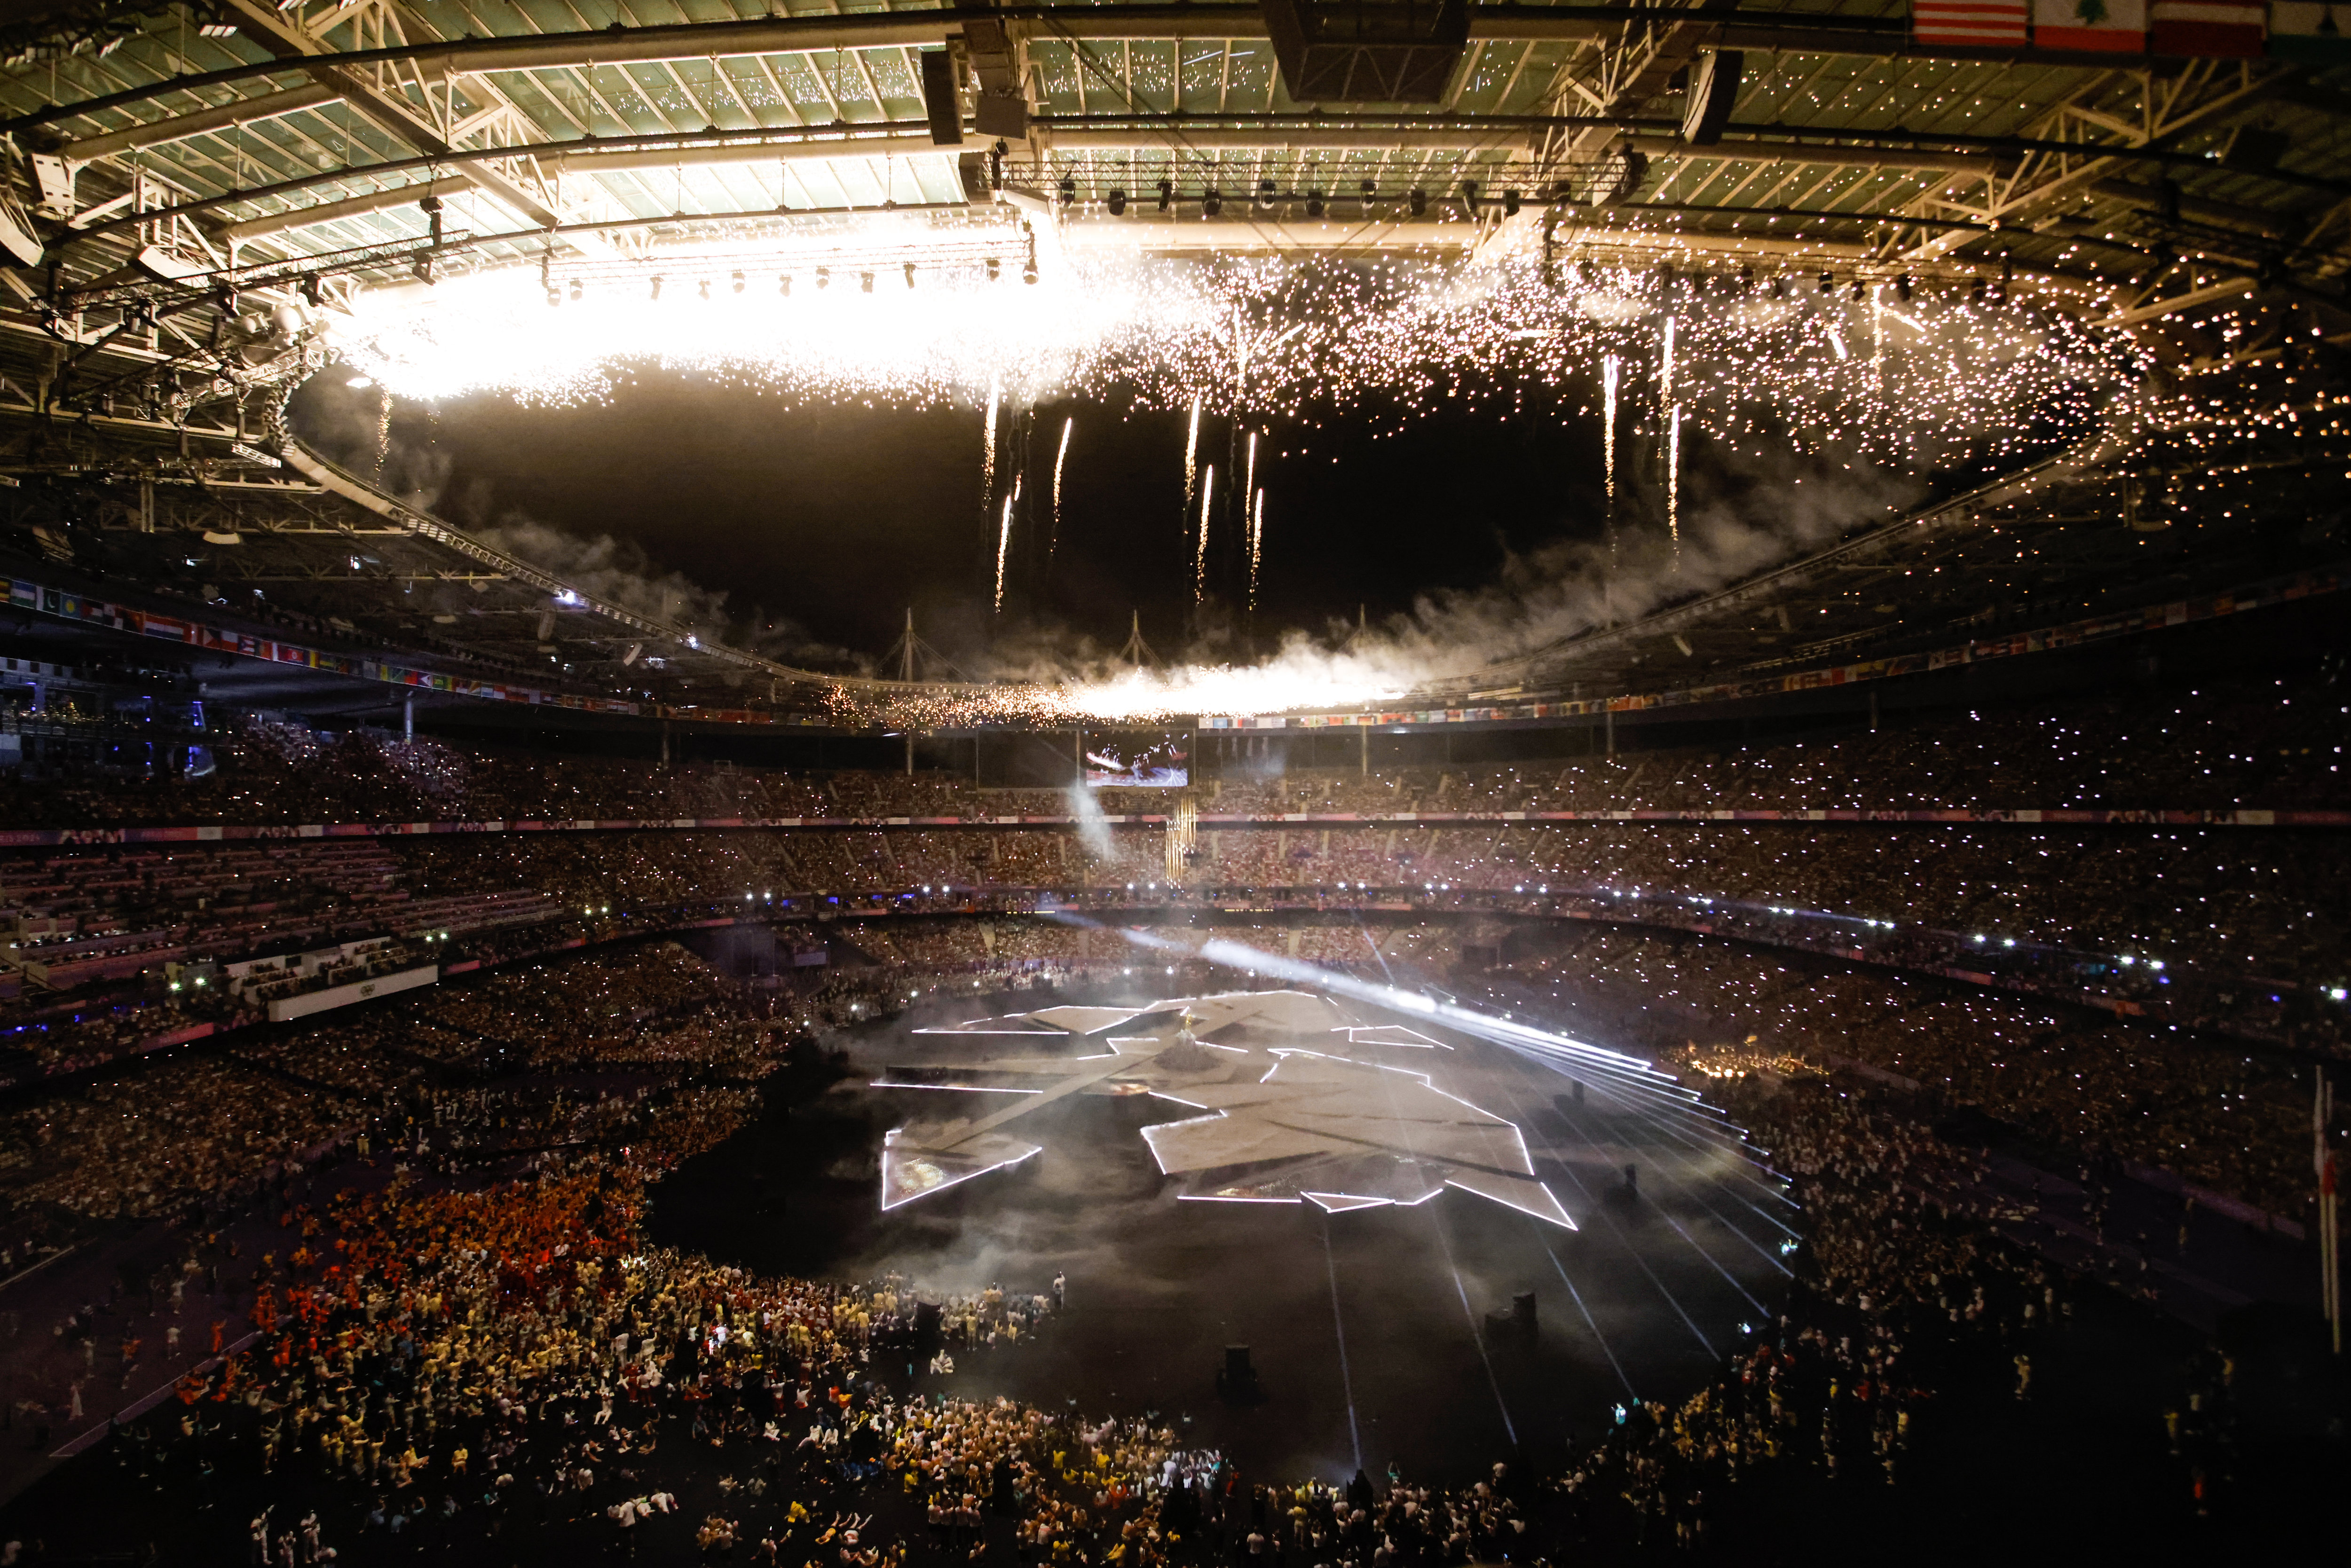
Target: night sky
column 830, row 521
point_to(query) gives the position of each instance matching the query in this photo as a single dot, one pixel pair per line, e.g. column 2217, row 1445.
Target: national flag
column 2115, row 25
column 1984, row 24
column 2310, row 30
column 2206, row 30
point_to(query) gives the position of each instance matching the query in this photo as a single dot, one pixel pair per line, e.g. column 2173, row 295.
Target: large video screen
column 1138, row 758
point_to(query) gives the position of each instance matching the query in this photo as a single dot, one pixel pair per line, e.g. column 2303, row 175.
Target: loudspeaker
column 939, row 102
column 1714, row 87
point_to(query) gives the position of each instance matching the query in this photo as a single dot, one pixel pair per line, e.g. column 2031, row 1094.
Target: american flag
column 1982, row 23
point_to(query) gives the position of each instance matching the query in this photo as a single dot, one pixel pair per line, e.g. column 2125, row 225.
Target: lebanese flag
column 1984, row 24
column 2115, row 25
column 2224, row 29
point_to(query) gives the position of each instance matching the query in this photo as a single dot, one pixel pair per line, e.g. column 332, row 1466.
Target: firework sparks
column 1061, row 461
column 1608, row 373
column 1201, row 560
column 1191, row 453
column 1257, row 543
column 1003, row 547
column 1973, row 380
column 1674, row 481
column 987, row 442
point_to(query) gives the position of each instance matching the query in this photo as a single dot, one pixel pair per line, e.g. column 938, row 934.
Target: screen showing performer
column 1139, row 759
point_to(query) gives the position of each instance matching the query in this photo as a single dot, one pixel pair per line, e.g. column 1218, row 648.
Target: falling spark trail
column 1003, row 544
column 1608, row 370
column 1061, row 460
column 1257, row 542
column 1248, row 481
column 1192, row 452
column 1201, row 560
column 1674, row 482
column 988, row 448
column 1673, row 443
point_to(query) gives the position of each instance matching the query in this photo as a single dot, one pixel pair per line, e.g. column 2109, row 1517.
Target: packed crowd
column 438, row 1354
column 2229, row 1119
column 2224, row 745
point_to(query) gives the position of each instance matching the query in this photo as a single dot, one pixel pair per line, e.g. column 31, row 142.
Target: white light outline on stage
column 1344, row 1202
column 1280, row 1052
column 1219, row 1197
column 950, row 1088
column 958, row 1181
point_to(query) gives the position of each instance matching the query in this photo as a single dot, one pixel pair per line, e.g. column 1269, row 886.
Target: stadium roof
column 194, row 186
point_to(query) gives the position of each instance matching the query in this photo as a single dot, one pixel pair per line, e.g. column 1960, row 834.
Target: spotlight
column 1856, row 289
column 738, row 283
column 1469, row 197
column 656, row 289
column 910, row 275
column 554, row 295
column 1976, row 292
column 578, row 290
column 824, row 278
column 1116, row 202
column 1029, row 270
column 423, row 269
column 1510, row 204
column 1211, row 203
column 1417, row 200
column 1264, row 191
column 1779, row 286
column 1827, row 283
column 1068, row 190
column 1313, row 204
column 1369, row 188
column 995, row 269
column 702, row 289
column 784, row 283
column 309, row 290
column 1166, row 195
column 1902, row 288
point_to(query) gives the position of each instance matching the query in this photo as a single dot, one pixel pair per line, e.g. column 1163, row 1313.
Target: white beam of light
column 1627, row 1075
